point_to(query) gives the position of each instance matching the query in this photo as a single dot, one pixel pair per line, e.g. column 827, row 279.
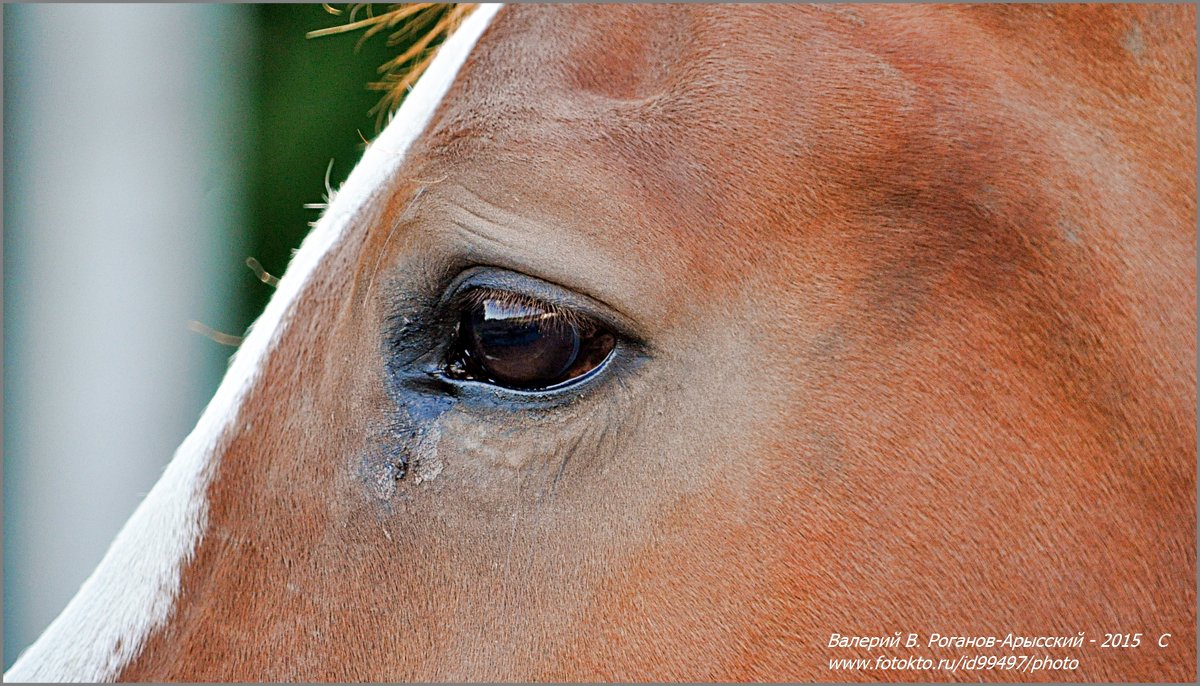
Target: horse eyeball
column 520, row 343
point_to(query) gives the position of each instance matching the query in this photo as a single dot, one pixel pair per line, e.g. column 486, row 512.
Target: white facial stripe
column 131, row 593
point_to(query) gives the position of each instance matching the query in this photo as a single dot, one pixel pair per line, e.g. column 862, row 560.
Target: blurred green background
column 310, row 107
column 148, row 151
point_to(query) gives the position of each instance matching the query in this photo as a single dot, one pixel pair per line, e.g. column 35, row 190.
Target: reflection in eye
column 517, row 342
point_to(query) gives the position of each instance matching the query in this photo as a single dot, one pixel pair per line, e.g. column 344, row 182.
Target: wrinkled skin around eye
column 523, row 344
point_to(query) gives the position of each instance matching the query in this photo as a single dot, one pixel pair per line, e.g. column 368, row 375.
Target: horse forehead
column 570, row 71
column 568, row 63
column 702, row 131
column 600, row 65
column 556, row 97
column 689, row 93
column 679, row 125
column 545, row 53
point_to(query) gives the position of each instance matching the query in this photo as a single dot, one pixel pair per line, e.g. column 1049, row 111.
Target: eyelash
column 478, row 295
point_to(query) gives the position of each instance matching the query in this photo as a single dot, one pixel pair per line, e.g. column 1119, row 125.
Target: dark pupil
column 524, row 345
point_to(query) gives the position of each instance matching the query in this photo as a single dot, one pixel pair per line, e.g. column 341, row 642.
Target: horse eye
column 521, row 343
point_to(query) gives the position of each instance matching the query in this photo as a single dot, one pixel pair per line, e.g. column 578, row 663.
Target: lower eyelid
column 546, row 397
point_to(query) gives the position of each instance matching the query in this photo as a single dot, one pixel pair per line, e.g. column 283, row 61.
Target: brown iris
column 518, row 342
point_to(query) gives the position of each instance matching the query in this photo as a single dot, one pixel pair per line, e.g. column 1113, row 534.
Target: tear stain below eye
column 402, row 454
column 405, row 448
column 427, row 463
column 380, row 474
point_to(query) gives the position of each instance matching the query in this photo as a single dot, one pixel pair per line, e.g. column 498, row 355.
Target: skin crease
column 914, row 288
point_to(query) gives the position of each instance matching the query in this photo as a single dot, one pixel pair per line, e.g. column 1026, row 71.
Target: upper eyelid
column 477, row 296
column 496, row 279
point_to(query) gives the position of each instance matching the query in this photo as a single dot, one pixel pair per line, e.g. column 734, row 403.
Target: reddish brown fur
column 918, row 285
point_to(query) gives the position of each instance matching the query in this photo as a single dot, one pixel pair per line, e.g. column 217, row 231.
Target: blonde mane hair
column 423, row 25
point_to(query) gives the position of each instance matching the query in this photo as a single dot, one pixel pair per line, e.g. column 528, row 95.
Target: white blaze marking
column 132, row 591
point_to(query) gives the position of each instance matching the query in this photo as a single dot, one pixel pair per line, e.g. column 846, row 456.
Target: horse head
column 663, row 342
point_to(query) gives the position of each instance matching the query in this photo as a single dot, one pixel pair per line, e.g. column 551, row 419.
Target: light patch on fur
column 132, row 591
column 1133, row 42
column 429, row 464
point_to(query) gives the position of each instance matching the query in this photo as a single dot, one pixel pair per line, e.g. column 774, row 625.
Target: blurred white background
column 148, row 151
column 123, row 190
